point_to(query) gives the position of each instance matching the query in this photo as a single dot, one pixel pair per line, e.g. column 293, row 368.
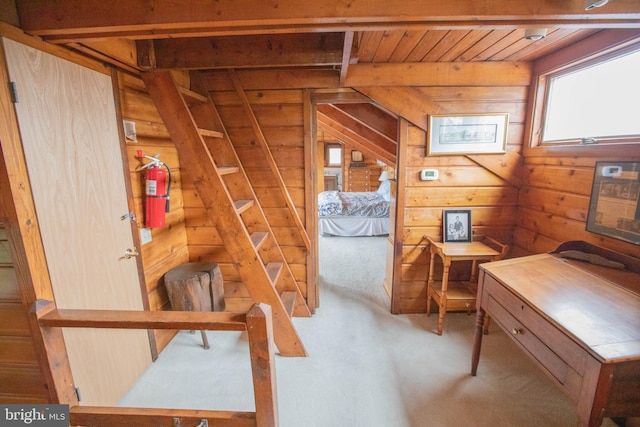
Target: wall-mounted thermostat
column 612, row 171
column 429, row 174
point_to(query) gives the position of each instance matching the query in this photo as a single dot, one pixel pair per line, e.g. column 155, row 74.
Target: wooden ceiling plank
column 410, row 38
column 94, row 18
column 476, row 50
column 519, row 44
column 506, row 41
column 388, row 44
column 551, row 43
column 369, row 44
column 467, row 42
column 430, row 39
column 275, row 50
column 445, row 45
column 294, row 78
column 440, row 74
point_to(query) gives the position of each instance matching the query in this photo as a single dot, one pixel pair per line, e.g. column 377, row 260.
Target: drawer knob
column 516, row 331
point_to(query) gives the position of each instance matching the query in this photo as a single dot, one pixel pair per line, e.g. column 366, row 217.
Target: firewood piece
column 195, row 287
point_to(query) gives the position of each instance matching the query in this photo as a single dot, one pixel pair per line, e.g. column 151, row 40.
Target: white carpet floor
column 366, row 367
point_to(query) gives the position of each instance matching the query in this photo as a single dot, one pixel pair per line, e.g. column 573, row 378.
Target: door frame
column 343, row 96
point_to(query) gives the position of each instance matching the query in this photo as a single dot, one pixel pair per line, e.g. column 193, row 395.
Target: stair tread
column 226, row 170
column 242, row 205
column 258, row 238
column 211, row 133
column 273, row 271
column 289, row 301
column 188, row 93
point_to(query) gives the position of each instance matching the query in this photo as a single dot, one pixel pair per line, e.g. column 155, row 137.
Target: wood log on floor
column 196, row 286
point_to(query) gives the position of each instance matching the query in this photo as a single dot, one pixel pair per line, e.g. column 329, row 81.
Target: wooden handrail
column 257, row 322
column 125, row 319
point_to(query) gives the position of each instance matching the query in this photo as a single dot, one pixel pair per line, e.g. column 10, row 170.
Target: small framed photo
column 456, row 225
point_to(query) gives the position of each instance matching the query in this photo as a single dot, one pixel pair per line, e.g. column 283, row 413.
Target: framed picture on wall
column 356, row 156
column 456, row 225
column 459, row 134
column 614, row 208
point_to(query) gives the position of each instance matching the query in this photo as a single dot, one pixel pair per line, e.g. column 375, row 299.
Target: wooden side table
column 458, row 295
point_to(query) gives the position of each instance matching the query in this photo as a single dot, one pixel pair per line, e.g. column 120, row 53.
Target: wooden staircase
column 205, row 149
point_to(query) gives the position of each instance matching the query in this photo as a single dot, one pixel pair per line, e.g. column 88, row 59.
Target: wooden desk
column 579, row 322
column 458, row 295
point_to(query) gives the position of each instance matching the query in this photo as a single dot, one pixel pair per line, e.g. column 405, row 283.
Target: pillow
column 385, row 190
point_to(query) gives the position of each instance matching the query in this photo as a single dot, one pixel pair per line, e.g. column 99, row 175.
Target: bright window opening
column 333, row 155
column 594, row 102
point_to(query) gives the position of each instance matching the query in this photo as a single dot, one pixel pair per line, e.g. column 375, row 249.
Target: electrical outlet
column 145, row 235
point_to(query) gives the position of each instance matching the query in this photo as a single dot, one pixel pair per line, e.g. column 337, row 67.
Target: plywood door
column 69, row 131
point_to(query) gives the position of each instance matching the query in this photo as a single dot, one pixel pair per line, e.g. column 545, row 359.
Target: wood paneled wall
column 462, row 184
column 20, row 377
column 554, row 202
column 168, row 247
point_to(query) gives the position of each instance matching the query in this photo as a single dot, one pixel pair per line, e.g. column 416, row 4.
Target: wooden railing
column 257, row 322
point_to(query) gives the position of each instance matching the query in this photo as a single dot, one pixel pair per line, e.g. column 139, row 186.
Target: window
column 594, row 102
column 333, row 155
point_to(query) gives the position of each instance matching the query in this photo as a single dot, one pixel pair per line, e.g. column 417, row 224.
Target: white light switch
column 145, row 235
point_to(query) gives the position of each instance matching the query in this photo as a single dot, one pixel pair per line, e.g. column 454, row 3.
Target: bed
column 354, row 213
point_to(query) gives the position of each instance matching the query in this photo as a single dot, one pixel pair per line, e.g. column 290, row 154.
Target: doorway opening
column 355, row 248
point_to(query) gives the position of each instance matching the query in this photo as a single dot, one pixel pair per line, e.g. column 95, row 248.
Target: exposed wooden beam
column 123, row 18
column 272, row 50
column 372, row 117
column 342, row 96
column 440, row 74
column 364, row 131
column 346, row 55
column 508, row 166
column 350, row 137
column 405, row 102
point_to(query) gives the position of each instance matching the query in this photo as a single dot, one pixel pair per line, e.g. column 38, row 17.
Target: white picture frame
column 467, row 134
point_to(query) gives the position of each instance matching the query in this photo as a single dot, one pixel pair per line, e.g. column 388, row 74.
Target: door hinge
column 13, row 90
column 78, row 394
column 129, row 215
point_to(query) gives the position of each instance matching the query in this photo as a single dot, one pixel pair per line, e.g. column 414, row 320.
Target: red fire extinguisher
column 156, row 199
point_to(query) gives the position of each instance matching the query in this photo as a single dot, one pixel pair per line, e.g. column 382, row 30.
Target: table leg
column 430, row 283
column 477, row 341
column 443, row 298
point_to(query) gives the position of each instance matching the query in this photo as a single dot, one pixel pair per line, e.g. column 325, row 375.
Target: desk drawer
column 558, row 354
